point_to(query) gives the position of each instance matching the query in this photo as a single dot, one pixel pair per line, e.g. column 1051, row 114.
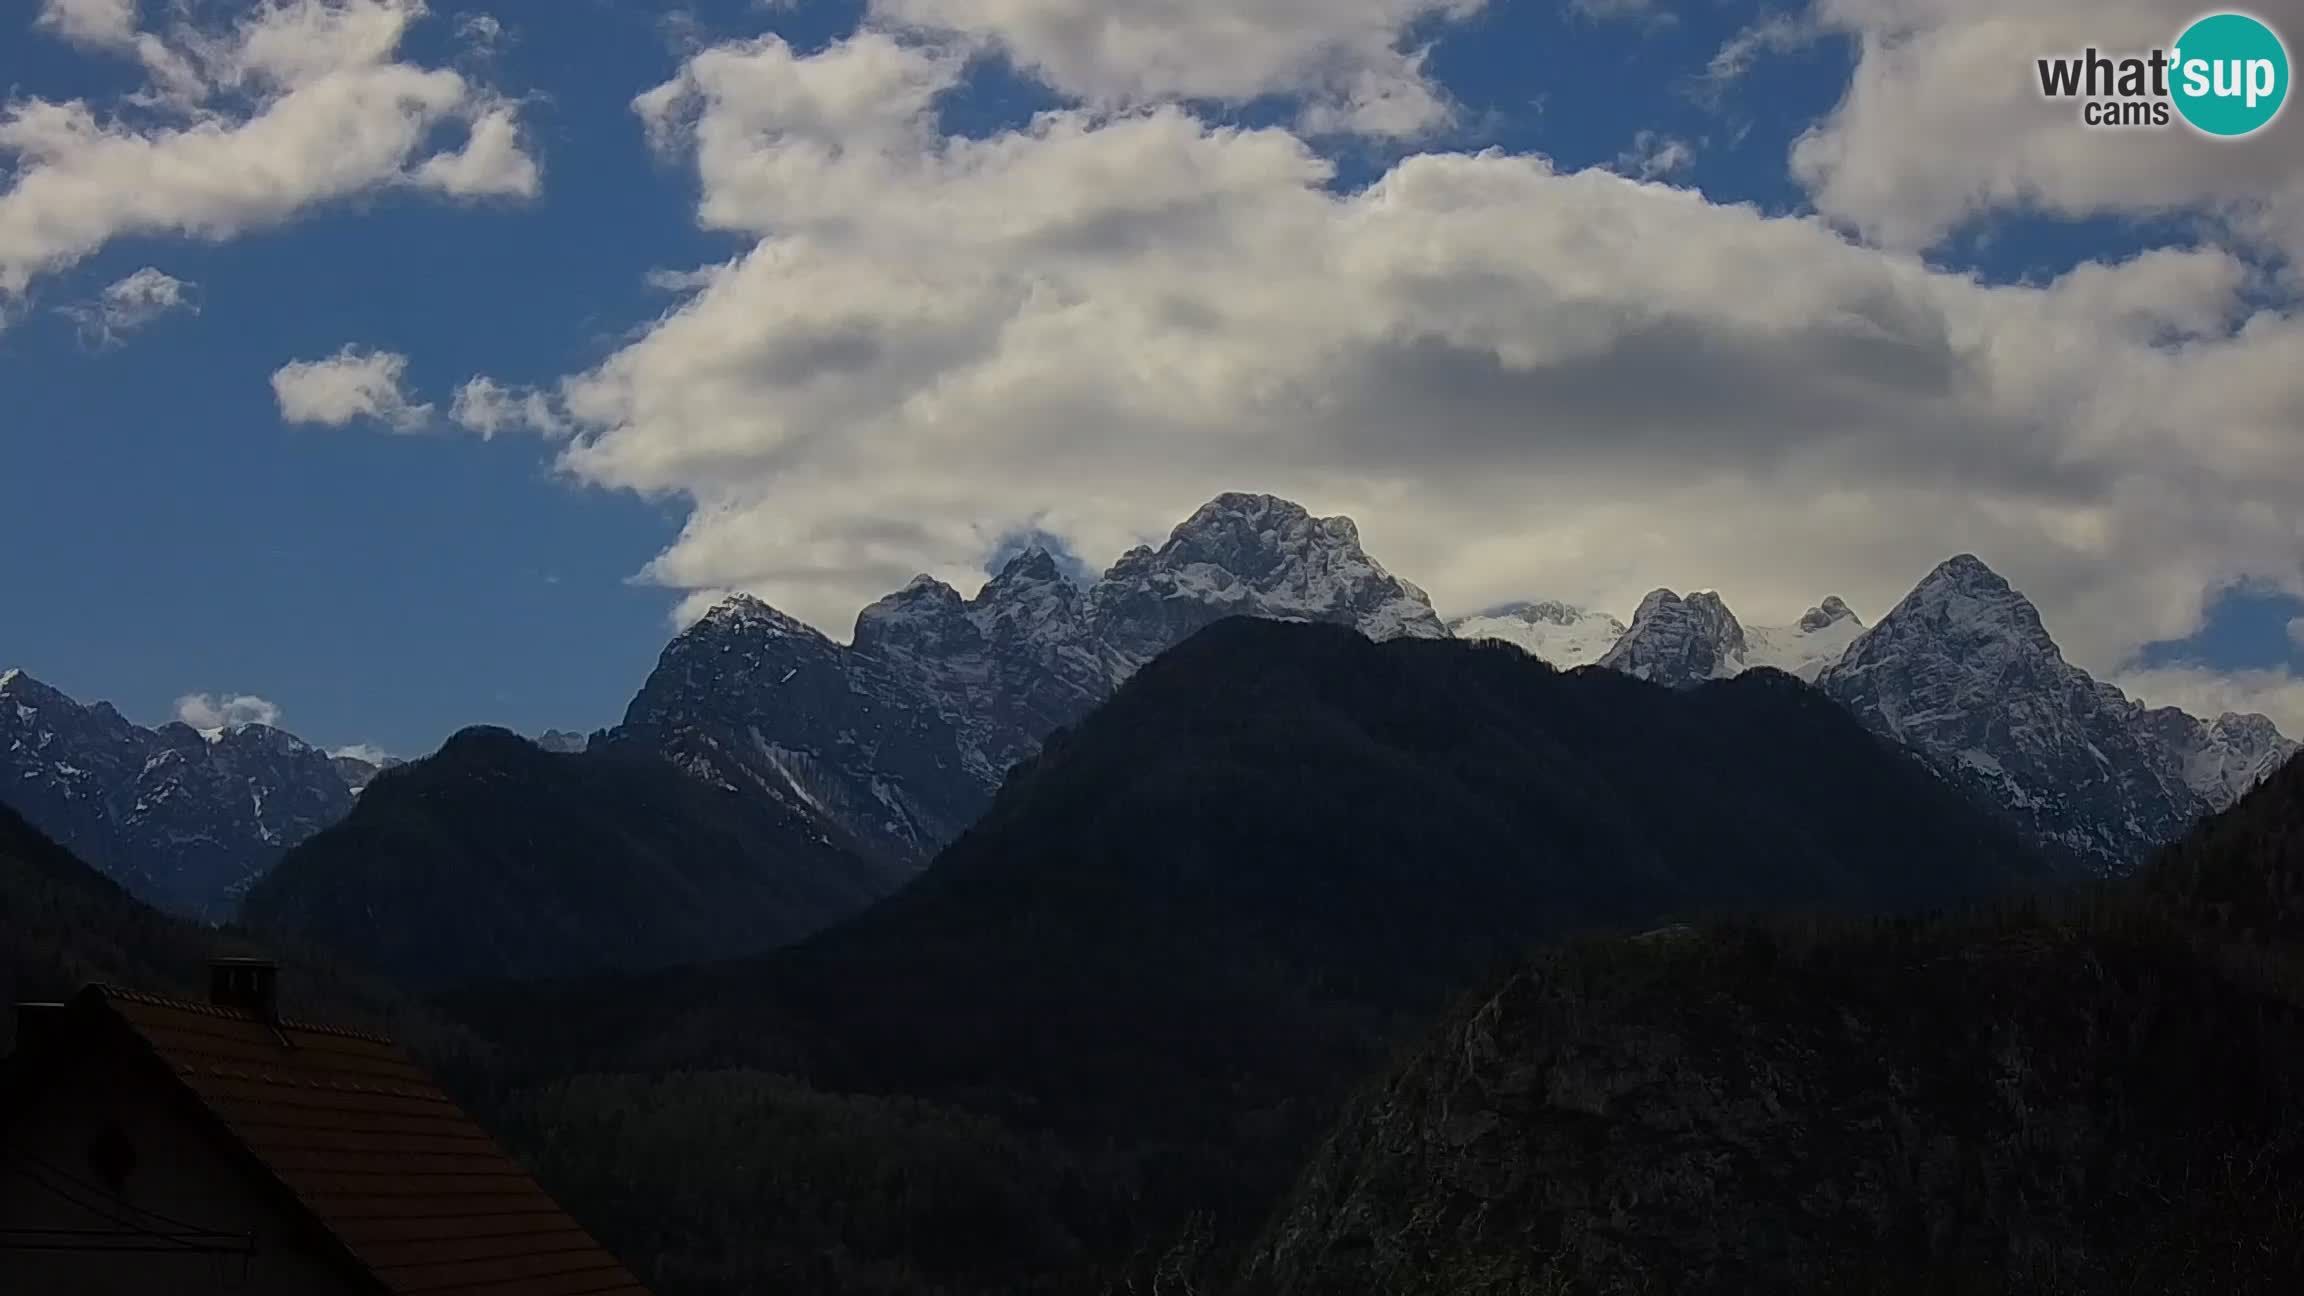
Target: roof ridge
column 229, row 1014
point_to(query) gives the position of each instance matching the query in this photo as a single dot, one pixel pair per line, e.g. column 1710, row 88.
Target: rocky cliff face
column 1997, row 1106
column 1963, row 673
column 1677, row 641
column 898, row 739
column 185, row 820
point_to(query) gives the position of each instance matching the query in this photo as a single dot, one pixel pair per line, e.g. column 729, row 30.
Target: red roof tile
column 366, row 1142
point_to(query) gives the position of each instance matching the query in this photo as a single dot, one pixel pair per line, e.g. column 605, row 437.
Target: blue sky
column 168, row 530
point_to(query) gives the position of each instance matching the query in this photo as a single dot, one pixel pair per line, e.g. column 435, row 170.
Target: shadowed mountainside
column 1183, row 932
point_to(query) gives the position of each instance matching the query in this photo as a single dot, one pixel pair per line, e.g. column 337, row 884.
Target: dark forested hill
column 1189, row 926
column 64, row 925
column 494, row 857
column 2102, row 1090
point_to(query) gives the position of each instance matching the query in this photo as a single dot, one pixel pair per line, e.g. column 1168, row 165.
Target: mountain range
column 894, row 742
column 1963, row 673
column 185, row 819
column 900, row 737
column 1181, row 931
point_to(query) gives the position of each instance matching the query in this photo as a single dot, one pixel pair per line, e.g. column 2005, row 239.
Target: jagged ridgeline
column 2100, row 1090
column 1182, row 931
column 896, row 741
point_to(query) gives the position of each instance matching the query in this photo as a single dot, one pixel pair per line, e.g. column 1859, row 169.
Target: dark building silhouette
column 152, row 1144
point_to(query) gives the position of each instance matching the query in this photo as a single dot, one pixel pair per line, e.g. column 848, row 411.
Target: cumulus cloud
column 209, row 712
column 1944, row 122
column 2207, row 691
column 129, row 304
column 1348, row 58
column 369, row 752
column 1522, row 381
column 487, row 407
column 292, row 105
column 349, row 385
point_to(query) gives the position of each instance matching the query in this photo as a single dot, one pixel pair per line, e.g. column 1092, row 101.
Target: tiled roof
column 417, row 1193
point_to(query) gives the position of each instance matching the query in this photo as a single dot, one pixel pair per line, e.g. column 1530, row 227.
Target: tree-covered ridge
column 496, row 858
column 2093, row 1090
column 1193, row 923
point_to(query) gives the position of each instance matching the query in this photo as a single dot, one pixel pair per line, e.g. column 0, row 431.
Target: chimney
column 38, row 1027
column 249, row 985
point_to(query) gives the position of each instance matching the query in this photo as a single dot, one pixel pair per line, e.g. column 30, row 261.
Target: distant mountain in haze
column 495, row 858
column 185, row 819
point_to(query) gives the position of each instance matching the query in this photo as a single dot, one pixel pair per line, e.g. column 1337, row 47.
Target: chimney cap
column 249, row 985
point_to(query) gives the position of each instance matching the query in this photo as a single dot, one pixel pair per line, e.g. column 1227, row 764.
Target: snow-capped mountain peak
column 926, row 615
column 1251, row 555
column 1964, row 672
column 1677, row 641
column 1563, row 634
column 741, row 612
column 1825, row 615
column 184, row 819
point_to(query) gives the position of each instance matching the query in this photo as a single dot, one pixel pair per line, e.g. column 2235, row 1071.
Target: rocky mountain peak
column 1034, row 566
column 25, row 691
column 1678, row 641
column 1830, row 612
column 742, row 613
column 1966, row 604
column 1964, row 673
column 926, row 615
column 185, row 820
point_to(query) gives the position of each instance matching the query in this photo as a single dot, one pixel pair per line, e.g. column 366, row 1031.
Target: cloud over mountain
column 1518, row 377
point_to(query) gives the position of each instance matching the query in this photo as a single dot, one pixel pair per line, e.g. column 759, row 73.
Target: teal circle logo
column 2229, row 75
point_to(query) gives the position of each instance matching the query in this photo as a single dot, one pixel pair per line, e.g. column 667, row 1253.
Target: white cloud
column 209, row 712
column 1644, row 11
column 129, row 304
column 492, row 163
column 1521, row 381
column 368, row 752
column 487, row 407
column 99, row 23
column 1654, row 156
column 2206, row 691
column 297, row 104
column 1348, row 57
column 1944, row 121
column 1773, row 34
column 351, row 384
column 483, row 32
